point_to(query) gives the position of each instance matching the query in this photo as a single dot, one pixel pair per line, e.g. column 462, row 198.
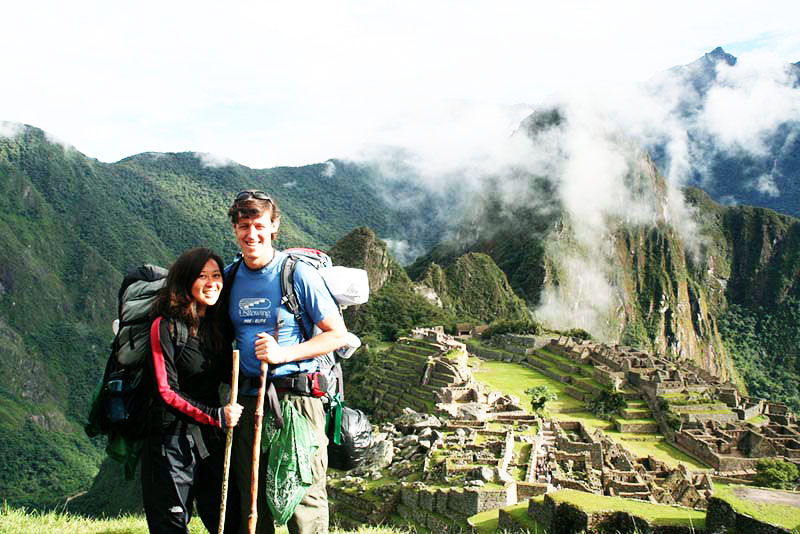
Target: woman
column 183, row 452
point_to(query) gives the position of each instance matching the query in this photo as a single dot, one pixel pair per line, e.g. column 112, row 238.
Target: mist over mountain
column 741, row 128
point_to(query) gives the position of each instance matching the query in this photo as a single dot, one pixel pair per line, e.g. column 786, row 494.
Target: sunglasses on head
column 258, row 195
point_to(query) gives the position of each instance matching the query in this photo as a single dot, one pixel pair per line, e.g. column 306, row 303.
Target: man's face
column 255, row 238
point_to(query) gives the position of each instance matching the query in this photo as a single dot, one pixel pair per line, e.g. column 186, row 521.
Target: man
column 266, row 331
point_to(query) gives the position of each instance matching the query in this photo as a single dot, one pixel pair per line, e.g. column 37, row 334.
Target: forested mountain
column 70, row 226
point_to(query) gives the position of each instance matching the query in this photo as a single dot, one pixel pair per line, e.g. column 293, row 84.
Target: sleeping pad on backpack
column 291, row 451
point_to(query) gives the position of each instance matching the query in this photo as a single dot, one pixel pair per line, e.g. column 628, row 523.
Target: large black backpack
column 120, row 407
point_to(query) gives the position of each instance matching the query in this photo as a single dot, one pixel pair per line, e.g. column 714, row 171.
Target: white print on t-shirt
column 258, row 308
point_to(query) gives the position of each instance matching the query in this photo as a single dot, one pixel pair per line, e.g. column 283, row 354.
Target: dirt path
column 768, row 496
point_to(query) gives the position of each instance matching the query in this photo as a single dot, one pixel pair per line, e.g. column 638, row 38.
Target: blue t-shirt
column 255, row 307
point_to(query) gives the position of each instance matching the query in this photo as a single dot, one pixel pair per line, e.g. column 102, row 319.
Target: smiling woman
column 182, row 453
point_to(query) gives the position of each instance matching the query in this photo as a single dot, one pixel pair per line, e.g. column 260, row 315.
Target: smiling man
column 264, row 330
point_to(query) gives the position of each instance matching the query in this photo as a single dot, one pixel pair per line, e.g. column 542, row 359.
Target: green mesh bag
column 291, row 451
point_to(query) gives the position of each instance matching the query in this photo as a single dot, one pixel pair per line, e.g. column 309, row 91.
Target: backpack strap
column 289, row 295
column 180, row 334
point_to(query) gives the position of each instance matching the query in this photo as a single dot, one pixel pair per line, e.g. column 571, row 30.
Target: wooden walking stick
column 226, row 467
column 259, row 417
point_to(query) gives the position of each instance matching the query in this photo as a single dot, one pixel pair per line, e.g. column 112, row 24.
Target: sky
column 291, row 83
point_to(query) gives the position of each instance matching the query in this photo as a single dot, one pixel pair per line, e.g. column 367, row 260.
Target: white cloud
column 766, row 184
column 752, row 99
column 214, row 160
column 10, row 129
column 329, row 170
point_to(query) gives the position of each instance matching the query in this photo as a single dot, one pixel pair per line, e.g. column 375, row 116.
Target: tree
column 605, row 404
column 774, row 473
column 539, row 397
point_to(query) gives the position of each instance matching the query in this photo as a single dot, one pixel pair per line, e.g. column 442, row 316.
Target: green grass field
column 783, row 515
column 659, row 514
column 18, row 521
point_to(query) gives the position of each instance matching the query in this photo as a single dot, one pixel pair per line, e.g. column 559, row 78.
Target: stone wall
column 346, row 508
column 589, row 444
column 457, row 504
column 495, row 354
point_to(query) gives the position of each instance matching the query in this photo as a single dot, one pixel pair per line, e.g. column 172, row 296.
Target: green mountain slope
column 70, row 226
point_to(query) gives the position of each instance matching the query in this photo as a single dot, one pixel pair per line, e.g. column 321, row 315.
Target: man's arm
column 332, row 337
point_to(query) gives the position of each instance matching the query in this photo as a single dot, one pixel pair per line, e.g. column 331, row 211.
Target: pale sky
column 291, row 83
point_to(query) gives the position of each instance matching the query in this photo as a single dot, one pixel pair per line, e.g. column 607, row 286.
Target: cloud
column 765, row 184
column 266, row 85
column 402, row 250
column 329, row 170
column 10, row 129
column 214, row 161
column 750, row 100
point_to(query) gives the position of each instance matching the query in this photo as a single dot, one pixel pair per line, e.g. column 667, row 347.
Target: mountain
column 739, row 153
column 71, row 226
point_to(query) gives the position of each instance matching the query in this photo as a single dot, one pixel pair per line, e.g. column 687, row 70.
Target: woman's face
column 206, row 289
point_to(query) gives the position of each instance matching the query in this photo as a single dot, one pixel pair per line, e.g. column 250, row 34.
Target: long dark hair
column 175, row 299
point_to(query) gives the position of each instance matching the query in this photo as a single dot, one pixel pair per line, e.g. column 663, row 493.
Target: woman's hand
column 232, row 414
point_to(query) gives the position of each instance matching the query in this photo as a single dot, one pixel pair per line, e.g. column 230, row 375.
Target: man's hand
column 268, row 350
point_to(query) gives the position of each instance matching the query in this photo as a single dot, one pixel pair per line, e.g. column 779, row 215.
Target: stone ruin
column 479, row 452
column 715, row 431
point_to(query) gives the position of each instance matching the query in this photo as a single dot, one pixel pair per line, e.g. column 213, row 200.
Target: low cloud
column 329, row 169
column 595, row 161
column 10, row 129
column 765, row 184
column 750, row 100
column 214, row 161
column 402, row 250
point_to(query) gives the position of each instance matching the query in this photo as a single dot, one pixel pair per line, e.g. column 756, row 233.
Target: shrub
column 539, row 397
column 774, row 473
column 605, row 404
column 522, row 327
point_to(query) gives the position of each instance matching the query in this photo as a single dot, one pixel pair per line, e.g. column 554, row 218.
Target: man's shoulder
column 305, row 273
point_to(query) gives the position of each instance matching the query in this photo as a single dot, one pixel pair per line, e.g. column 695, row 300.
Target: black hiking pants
column 175, row 478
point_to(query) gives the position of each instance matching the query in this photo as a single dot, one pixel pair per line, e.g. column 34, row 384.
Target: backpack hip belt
column 309, row 384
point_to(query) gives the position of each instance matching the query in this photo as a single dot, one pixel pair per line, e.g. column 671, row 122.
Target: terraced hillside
column 411, row 374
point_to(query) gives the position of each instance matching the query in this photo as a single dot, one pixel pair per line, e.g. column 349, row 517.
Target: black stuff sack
column 349, row 437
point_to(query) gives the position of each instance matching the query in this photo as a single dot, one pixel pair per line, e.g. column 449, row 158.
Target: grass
column 658, row 514
column 759, row 419
column 487, row 522
column 515, row 378
column 19, row 521
column 782, row 515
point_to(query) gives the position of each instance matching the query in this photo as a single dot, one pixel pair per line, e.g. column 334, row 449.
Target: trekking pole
column 226, row 468
column 259, row 417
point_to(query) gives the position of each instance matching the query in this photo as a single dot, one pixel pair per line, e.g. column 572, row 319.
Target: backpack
column 348, row 429
column 122, row 399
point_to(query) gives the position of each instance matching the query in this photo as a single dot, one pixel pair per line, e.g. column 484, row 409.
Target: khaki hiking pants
column 311, row 515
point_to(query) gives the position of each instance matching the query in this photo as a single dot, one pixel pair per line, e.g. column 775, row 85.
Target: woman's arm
column 166, row 379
